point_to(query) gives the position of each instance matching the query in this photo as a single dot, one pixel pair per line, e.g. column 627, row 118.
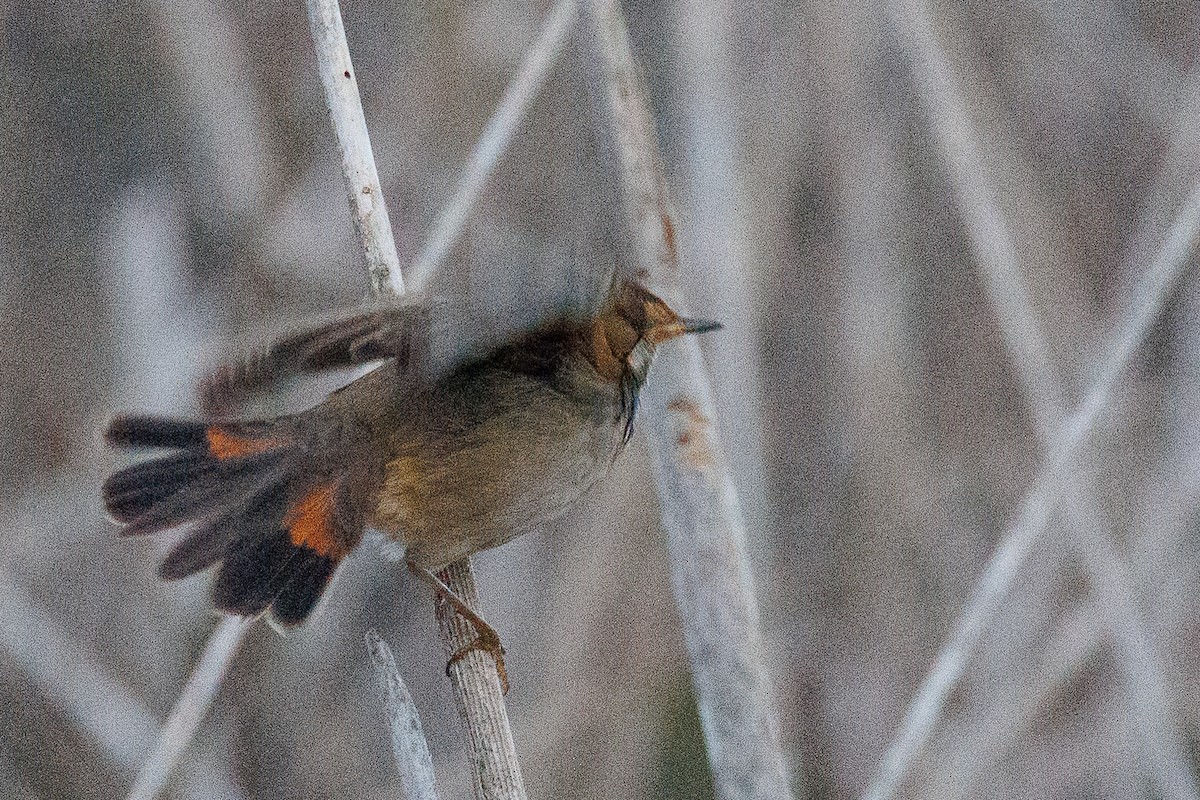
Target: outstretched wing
column 426, row 335
column 400, row 330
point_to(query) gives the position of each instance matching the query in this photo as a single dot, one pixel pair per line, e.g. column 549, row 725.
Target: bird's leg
column 486, row 638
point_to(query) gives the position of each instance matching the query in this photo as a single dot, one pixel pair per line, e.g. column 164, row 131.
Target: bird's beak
column 680, row 326
column 699, row 325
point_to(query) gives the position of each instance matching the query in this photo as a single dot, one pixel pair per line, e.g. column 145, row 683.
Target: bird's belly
column 447, row 498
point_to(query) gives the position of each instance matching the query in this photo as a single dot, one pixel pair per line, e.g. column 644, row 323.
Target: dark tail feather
column 213, row 491
column 277, row 530
column 136, row 431
column 135, row 490
column 216, row 464
column 309, row 577
column 276, row 574
column 197, row 551
column 286, row 565
column 244, row 527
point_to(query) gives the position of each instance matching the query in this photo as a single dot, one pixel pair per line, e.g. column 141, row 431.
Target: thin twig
column 475, row 680
column 705, row 530
column 494, row 140
column 409, row 745
column 1078, row 638
column 96, row 702
column 984, row 742
column 1169, row 506
column 358, row 161
column 191, row 706
column 1093, row 532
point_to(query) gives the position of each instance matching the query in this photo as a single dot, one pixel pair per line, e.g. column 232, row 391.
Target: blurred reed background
column 172, row 187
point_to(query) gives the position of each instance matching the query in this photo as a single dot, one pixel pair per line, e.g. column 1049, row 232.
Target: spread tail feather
column 277, row 530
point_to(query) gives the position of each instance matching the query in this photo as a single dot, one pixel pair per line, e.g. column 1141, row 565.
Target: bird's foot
column 489, row 642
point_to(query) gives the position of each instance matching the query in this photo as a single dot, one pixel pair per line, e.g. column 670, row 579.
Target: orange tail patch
column 276, row 541
column 310, row 523
column 223, row 444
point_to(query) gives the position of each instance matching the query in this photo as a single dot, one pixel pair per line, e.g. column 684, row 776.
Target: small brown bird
column 446, row 450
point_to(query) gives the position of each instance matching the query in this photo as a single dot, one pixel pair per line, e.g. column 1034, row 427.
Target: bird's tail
column 277, row 525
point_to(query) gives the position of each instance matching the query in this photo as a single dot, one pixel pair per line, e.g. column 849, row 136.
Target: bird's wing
column 398, row 330
column 426, row 337
column 457, row 318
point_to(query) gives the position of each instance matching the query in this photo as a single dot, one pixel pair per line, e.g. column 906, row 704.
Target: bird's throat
column 613, row 340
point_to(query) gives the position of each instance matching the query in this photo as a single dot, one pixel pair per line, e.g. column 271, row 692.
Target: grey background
column 171, row 187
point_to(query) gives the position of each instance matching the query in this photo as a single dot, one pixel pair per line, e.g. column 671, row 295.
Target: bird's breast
column 490, row 462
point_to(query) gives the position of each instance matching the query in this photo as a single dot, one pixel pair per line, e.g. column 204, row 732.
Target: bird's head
column 633, row 323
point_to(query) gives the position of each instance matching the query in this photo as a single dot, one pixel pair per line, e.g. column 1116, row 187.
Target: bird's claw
column 488, row 642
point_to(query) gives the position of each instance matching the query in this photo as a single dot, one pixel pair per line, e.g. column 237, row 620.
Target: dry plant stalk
column 1063, row 437
column 705, row 531
column 475, row 679
column 408, row 739
column 477, row 686
column 358, row 161
column 191, row 707
column 1004, row 286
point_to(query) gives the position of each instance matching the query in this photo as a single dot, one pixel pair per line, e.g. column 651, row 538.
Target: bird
column 451, row 445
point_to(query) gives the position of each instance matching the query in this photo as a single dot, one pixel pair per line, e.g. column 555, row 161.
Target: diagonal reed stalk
column 409, row 747
column 1063, row 438
column 191, row 707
